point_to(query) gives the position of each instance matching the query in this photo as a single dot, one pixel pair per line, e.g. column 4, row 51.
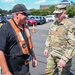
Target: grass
column 0, row 24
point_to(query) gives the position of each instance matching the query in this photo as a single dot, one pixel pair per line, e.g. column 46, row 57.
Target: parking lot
column 38, row 39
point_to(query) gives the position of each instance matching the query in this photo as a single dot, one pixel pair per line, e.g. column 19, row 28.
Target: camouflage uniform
column 61, row 41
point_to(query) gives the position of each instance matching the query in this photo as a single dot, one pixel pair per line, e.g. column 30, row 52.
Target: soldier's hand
column 34, row 62
column 61, row 63
column 45, row 52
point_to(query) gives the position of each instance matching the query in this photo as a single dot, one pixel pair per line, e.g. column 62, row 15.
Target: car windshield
column 37, row 17
column 48, row 16
column 31, row 17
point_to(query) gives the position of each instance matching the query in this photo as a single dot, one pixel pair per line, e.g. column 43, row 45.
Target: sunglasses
column 25, row 14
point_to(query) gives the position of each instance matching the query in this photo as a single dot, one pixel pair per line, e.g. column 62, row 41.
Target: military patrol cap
column 59, row 9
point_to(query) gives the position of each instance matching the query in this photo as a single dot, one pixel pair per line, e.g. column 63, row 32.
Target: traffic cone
column 33, row 29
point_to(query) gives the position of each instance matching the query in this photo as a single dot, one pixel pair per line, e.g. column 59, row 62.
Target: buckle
column 24, row 45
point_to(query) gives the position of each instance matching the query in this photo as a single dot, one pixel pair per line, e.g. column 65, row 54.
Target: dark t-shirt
column 10, row 46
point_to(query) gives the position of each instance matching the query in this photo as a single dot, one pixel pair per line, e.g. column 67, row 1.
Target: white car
column 66, row 16
column 50, row 18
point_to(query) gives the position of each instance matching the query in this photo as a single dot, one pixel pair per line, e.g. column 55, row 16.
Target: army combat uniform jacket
column 61, row 39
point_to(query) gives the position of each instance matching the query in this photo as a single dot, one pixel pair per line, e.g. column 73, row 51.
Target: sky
column 30, row 4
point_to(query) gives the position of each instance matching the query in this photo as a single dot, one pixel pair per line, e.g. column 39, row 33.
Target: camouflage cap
column 59, row 9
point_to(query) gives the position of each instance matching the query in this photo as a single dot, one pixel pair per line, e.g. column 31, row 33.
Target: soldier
column 61, row 42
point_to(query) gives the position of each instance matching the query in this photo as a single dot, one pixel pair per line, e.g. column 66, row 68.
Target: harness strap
column 21, row 40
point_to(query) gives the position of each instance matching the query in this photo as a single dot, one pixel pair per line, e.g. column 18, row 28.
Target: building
column 67, row 2
column 44, row 6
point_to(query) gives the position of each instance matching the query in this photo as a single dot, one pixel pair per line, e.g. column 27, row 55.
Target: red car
column 30, row 22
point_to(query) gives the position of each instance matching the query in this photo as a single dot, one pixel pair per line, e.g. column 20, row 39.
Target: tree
column 51, row 9
column 34, row 12
column 0, row 11
column 71, row 10
column 44, row 12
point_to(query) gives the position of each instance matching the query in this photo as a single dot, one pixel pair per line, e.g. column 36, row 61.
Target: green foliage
column 51, row 9
column 71, row 10
column 3, row 11
column 35, row 12
column 42, row 12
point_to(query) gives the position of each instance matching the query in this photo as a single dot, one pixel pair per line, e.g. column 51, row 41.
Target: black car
column 43, row 19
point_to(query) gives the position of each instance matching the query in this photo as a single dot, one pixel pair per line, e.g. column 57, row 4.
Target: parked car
column 30, row 22
column 37, row 18
column 50, row 18
column 9, row 17
column 43, row 19
column 2, row 19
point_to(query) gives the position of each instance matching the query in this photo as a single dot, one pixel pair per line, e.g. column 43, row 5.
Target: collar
column 60, row 23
